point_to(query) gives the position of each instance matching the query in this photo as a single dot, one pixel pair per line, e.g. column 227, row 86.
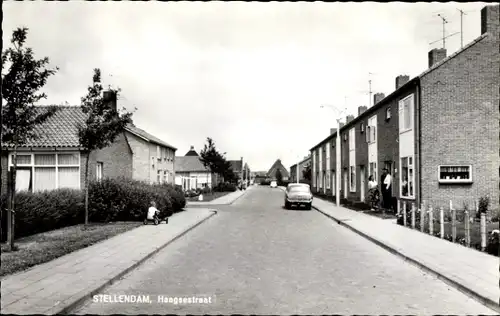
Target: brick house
column 437, row 133
column 302, row 165
column 190, row 173
column 55, row 159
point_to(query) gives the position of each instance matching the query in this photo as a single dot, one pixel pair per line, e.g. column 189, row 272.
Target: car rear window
column 299, row 189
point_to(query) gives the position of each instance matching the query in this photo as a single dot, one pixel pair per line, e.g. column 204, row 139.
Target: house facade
column 302, row 165
column 437, row 133
column 278, row 165
column 55, row 159
column 191, row 173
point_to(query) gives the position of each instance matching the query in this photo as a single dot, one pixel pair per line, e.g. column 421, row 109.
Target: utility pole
column 462, row 13
column 444, row 23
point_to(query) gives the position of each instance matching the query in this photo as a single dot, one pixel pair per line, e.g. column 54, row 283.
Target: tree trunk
column 12, row 207
column 87, row 189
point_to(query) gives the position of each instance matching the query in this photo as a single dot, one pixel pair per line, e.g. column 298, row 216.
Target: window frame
column 403, row 112
column 388, row 114
column 99, row 175
column 410, row 179
column 352, row 178
column 362, row 127
column 56, row 165
column 455, row 181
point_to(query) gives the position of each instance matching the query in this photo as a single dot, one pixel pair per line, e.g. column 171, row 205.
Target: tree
column 307, row 173
column 279, row 176
column 21, row 84
column 102, row 125
column 212, row 159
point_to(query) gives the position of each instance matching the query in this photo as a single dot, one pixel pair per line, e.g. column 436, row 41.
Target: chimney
column 401, row 80
column 349, row 118
column 490, row 20
column 192, row 148
column 361, row 109
column 333, row 131
column 377, row 97
column 109, row 97
column 342, row 124
column 436, row 55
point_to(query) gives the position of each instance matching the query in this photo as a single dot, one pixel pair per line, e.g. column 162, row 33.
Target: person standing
column 387, row 189
column 373, row 194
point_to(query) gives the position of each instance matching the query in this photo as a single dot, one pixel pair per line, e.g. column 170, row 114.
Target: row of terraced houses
column 437, row 133
column 54, row 159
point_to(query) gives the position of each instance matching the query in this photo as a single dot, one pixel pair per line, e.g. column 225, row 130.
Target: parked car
column 274, row 184
column 298, row 194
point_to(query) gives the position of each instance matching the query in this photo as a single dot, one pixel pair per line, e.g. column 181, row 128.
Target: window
column 353, row 178
column 165, row 176
column 373, row 170
column 362, row 127
column 327, row 146
column 328, row 178
column 352, row 139
column 455, row 174
column 158, row 176
column 345, row 137
column 158, row 152
column 42, row 171
column 388, row 113
column 98, row 174
column 407, row 177
column 406, row 114
column 371, row 135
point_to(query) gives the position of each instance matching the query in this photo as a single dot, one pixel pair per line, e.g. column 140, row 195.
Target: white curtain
column 69, row 177
column 45, row 160
column 23, row 178
column 45, row 179
column 67, row 159
column 22, row 159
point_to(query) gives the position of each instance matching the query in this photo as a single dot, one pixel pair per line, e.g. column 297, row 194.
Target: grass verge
column 47, row 246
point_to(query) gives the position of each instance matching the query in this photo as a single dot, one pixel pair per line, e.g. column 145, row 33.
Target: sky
column 252, row 76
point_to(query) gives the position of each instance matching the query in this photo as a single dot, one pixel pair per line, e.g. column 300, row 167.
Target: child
column 153, row 211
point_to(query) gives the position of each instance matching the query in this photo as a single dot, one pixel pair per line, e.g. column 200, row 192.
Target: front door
column 388, row 166
column 362, row 182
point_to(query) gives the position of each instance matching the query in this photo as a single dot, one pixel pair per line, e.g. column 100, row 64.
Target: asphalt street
column 255, row 257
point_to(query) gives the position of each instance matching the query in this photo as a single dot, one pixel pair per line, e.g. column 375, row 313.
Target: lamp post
column 338, row 166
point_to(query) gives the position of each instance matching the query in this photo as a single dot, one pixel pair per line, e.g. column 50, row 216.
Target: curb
column 471, row 293
column 245, row 192
column 79, row 301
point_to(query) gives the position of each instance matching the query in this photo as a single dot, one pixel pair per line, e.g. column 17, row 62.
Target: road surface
column 255, row 257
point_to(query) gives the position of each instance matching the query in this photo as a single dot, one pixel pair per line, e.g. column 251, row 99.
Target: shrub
column 43, row 211
column 126, row 200
column 109, row 200
column 225, row 187
column 493, row 247
column 482, row 206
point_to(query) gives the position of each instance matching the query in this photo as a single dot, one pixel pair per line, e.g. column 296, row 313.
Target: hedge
column 109, row 200
column 225, row 187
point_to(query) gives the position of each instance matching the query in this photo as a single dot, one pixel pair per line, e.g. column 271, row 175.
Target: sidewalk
column 223, row 200
column 472, row 272
column 60, row 285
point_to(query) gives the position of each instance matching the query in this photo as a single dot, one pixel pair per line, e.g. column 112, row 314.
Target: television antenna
column 462, row 13
column 444, row 32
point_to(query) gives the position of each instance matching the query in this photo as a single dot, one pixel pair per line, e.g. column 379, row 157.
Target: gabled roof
column 388, row 98
column 146, row 136
column 191, row 152
column 278, row 165
column 60, row 130
column 189, row 164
